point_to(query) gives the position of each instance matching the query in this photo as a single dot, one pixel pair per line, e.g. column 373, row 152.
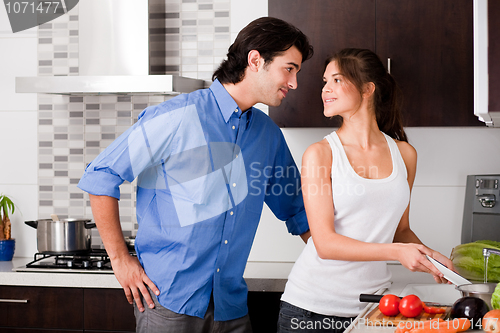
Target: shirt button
column 231, row 213
column 218, row 270
column 234, row 127
column 225, row 242
column 236, row 111
column 234, row 184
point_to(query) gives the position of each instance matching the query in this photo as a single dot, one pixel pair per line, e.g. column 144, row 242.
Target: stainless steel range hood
column 113, row 55
column 101, row 85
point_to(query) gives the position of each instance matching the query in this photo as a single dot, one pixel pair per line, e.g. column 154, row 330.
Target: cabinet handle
column 13, row 300
column 389, row 65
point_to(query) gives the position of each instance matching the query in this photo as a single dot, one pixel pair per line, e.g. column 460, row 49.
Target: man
column 205, row 162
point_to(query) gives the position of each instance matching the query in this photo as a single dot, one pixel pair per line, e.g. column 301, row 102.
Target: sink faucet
column 487, row 252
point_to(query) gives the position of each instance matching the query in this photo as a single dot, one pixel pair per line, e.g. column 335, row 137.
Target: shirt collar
column 226, row 103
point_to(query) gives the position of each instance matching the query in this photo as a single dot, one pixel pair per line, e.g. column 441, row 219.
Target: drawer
column 41, row 307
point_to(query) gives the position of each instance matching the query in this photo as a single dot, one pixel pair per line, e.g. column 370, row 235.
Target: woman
column 356, row 186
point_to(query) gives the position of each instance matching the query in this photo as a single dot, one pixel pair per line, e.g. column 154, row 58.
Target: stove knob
column 69, row 264
column 86, row 264
column 100, row 264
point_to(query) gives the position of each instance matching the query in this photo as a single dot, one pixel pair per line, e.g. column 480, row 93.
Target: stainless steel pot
column 63, row 236
column 130, row 241
column 483, row 291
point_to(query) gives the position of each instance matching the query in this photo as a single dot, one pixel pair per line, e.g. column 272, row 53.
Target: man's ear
column 254, row 60
column 368, row 89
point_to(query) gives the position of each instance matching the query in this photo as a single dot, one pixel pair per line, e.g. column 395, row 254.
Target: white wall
column 18, row 132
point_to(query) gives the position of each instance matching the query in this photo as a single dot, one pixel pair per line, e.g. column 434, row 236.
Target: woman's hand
column 412, row 256
column 445, row 261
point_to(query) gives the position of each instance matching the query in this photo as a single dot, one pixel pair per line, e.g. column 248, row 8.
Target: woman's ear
column 254, row 60
column 368, row 89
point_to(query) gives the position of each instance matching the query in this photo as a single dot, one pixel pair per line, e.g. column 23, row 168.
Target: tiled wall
column 187, row 37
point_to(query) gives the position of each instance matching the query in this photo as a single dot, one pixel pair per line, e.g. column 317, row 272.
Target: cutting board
column 376, row 318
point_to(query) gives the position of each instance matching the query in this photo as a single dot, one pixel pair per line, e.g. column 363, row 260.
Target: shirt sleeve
column 284, row 196
column 144, row 145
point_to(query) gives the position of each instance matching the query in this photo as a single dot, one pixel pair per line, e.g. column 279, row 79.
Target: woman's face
column 340, row 97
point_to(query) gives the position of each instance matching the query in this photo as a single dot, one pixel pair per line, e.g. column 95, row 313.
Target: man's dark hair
column 268, row 35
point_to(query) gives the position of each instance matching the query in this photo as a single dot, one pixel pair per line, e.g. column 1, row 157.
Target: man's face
column 279, row 76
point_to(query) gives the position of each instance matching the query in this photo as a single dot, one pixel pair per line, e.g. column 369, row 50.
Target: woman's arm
column 318, row 201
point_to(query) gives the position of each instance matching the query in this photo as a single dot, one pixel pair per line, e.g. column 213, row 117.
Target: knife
column 371, row 298
column 450, row 275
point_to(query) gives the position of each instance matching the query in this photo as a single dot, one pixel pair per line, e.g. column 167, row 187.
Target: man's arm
column 305, row 236
column 127, row 269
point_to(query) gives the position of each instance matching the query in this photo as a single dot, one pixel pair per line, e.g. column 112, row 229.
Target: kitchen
column 27, row 122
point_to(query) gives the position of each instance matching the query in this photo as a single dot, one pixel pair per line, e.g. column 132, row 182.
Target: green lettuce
column 495, row 298
column 469, row 261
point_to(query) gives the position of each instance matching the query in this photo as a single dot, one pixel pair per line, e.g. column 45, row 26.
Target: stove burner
column 94, row 260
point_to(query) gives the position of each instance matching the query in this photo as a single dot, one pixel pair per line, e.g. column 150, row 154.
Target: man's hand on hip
column 133, row 279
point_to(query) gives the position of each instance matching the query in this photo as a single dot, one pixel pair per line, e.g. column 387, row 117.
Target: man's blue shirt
column 204, row 170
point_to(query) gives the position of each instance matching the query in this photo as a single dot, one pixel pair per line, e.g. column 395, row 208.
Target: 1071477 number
column 43, row 7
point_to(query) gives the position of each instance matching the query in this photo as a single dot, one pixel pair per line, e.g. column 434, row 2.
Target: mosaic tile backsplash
column 187, row 37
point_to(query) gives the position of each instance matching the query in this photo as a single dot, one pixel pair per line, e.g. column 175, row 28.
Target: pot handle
column 89, row 224
column 33, row 224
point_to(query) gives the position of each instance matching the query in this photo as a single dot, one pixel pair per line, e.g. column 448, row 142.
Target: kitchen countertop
column 400, row 279
column 260, row 276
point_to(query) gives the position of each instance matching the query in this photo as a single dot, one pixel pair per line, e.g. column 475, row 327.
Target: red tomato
column 389, row 305
column 410, row 306
column 490, row 321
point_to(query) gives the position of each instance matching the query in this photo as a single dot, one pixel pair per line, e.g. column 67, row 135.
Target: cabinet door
column 331, row 25
column 39, row 307
column 431, row 50
column 264, row 310
column 108, row 310
column 34, row 330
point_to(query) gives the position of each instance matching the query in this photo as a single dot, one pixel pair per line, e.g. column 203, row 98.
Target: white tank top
column 368, row 210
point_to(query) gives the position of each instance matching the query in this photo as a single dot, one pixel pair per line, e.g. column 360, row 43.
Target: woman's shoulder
column 406, row 149
column 319, row 151
column 409, row 155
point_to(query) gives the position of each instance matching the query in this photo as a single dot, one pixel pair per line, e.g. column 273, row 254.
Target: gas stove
column 96, row 261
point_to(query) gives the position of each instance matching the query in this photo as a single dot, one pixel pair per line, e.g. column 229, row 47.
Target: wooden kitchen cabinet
column 331, row 25
column 44, row 308
column 264, row 309
column 107, row 310
column 429, row 43
column 431, row 50
column 38, row 309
